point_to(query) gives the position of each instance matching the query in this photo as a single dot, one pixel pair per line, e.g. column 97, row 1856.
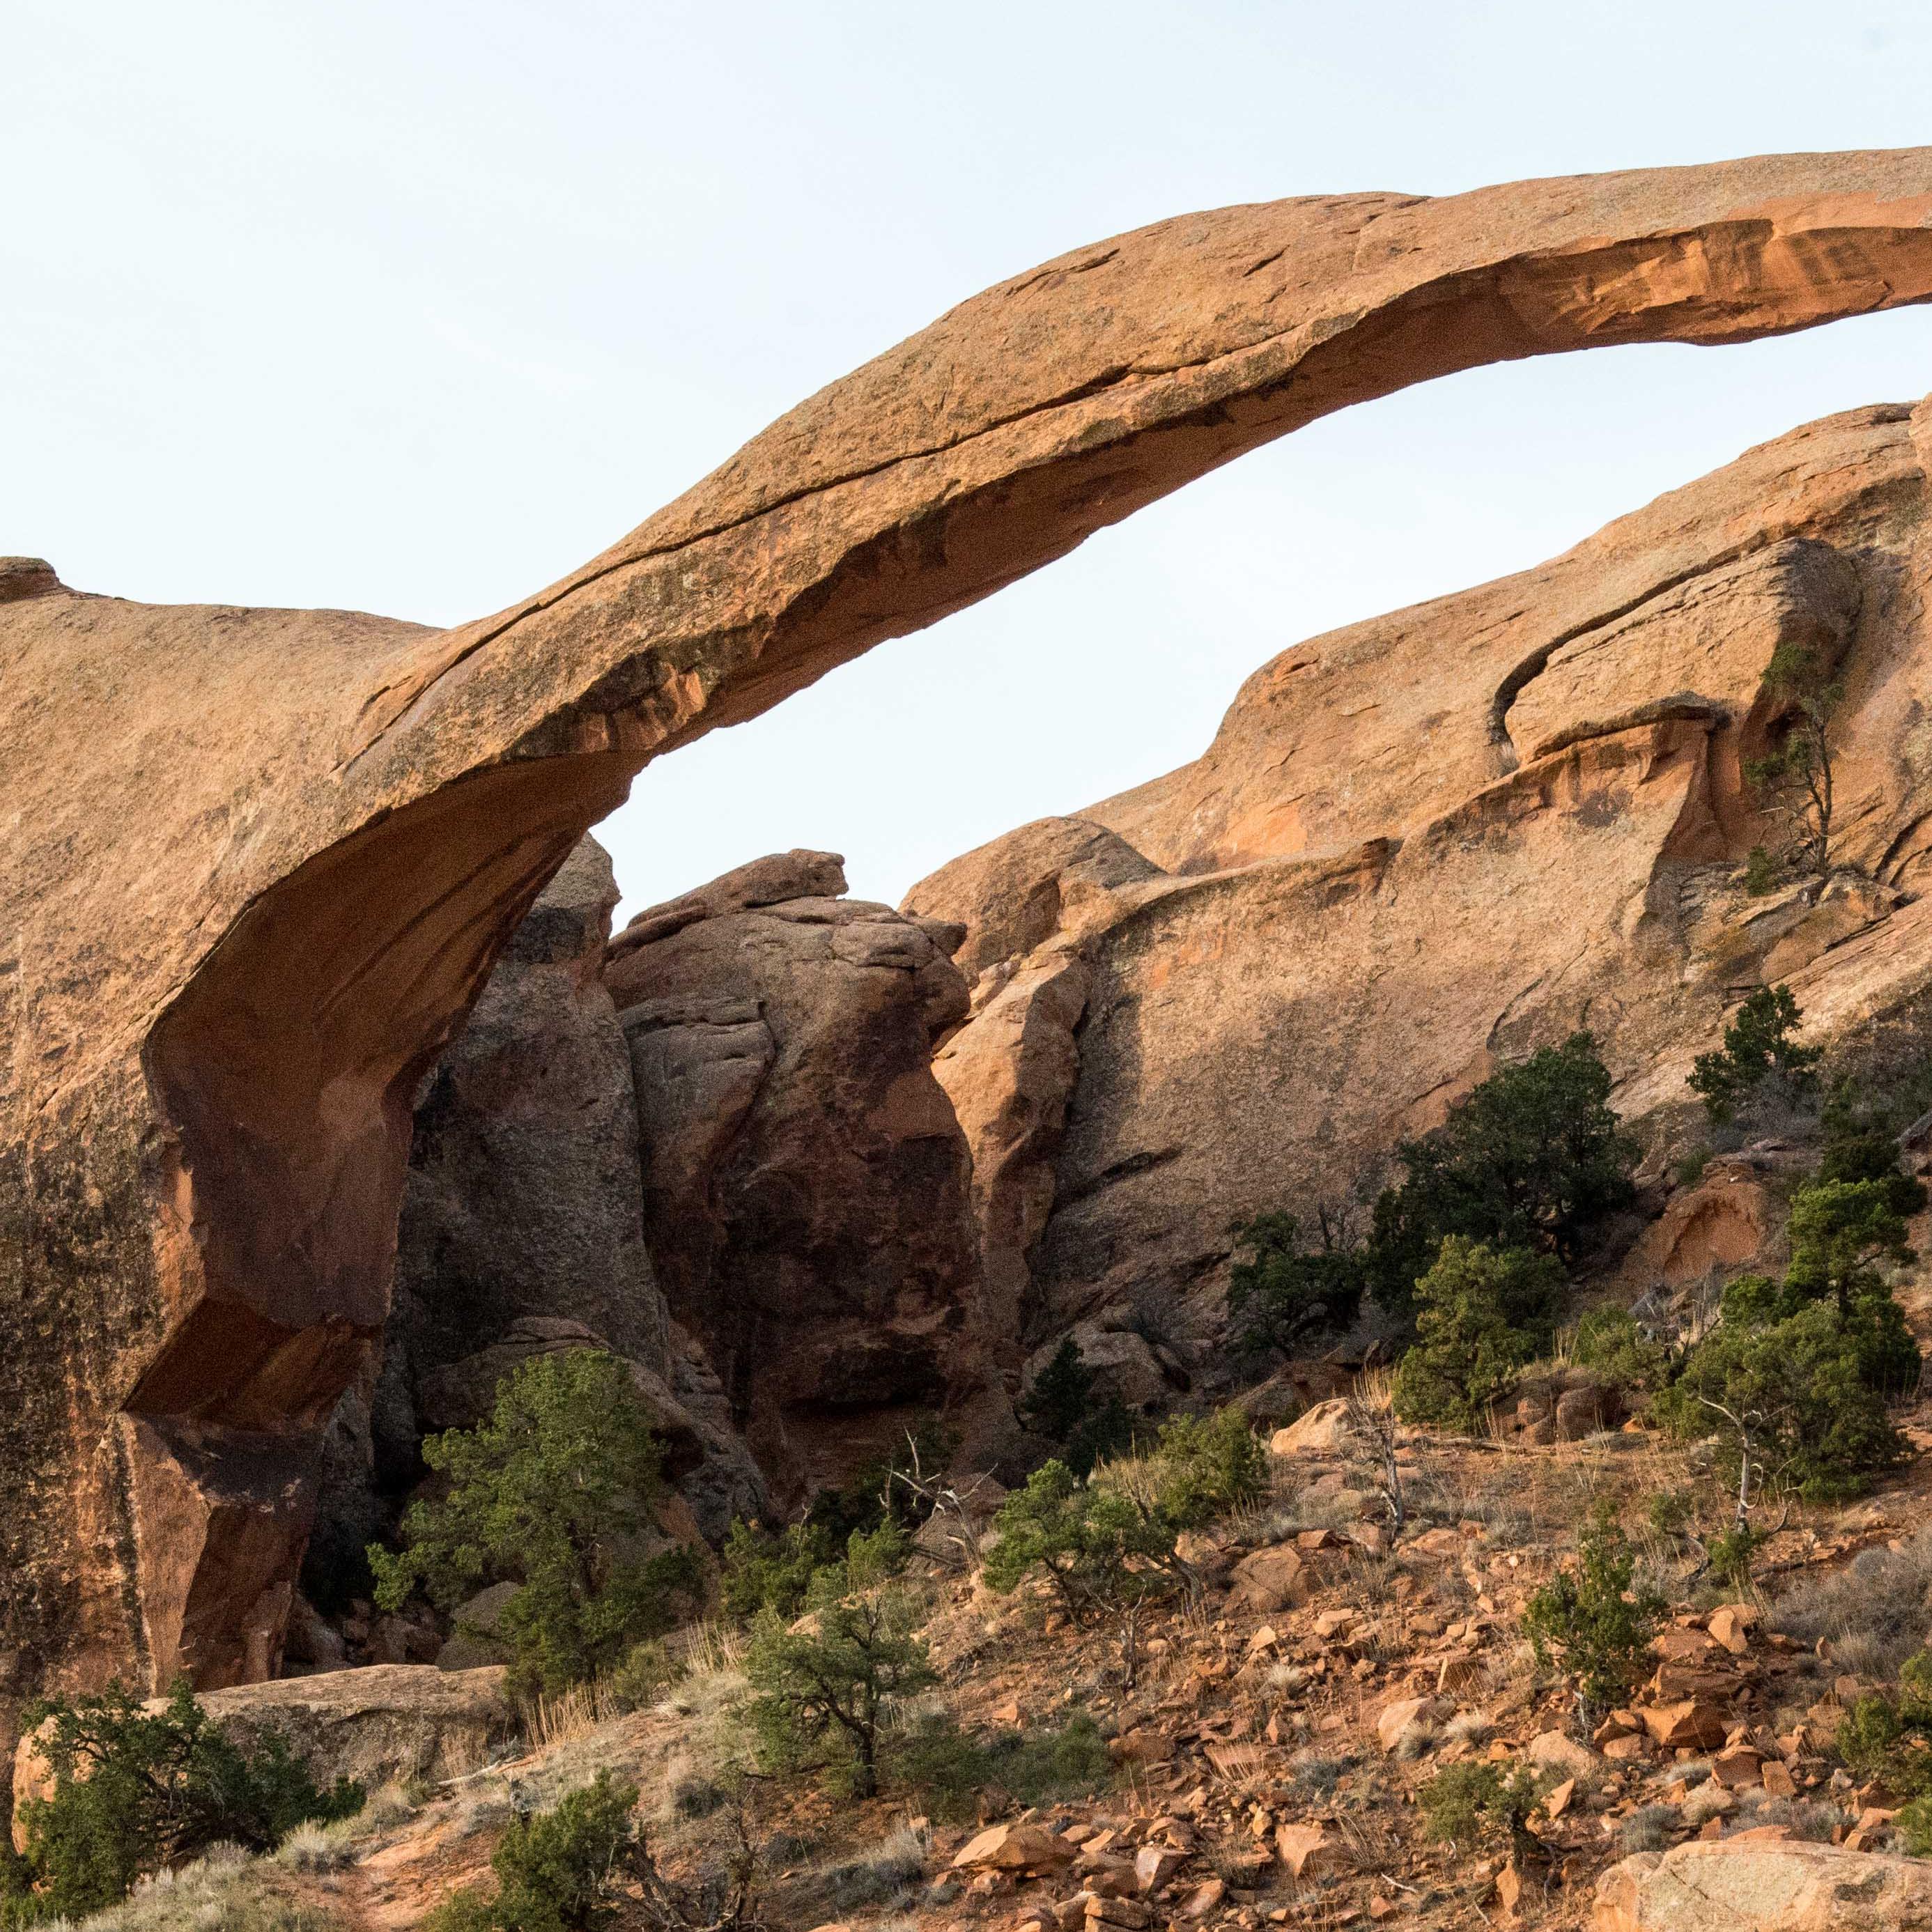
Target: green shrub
column 1914, row 1827
column 644, row 1676
column 1481, row 1315
column 1669, row 1512
column 1466, row 1803
column 1533, row 1158
column 1060, row 1405
column 1762, row 872
column 556, row 1871
column 1102, row 1549
column 1591, row 1621
column 553, row 1493
column 1731, row 1551
column 1204, row 1467
column 828, row 1686
column 135, row 1791
column 764, row 1572
column 1689, row 1168
column 1282, row 1292
column 1889, row 1739
column 1610, row 1341
column 1760, row 1060
column 1879, row 1073
column 952, row 1770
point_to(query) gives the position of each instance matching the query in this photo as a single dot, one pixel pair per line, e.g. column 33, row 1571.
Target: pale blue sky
column 410, row 306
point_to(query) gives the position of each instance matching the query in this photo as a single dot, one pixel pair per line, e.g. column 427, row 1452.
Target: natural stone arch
column 258, row 862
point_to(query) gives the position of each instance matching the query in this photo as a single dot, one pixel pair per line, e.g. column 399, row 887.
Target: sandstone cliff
column 258, row 864
column 1432, row 840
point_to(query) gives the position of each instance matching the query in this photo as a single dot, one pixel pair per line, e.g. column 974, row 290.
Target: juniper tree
column 553, row 1493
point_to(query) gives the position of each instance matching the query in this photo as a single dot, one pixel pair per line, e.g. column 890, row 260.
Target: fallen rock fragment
column 1269, row 1580
column 1015, row 1848
column 1311, row 1851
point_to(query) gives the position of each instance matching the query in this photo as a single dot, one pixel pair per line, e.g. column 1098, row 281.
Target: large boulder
column 256, row 865
column 1762, row 1885
column 1724, row 1221
column 804, row 1180
column 1126, row 1366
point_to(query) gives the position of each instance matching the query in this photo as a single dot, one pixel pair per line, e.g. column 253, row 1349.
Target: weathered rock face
column 1729, row 1218
column 524, row 1194
column 522, row 1233
column 1431, row 841
column 805, row 1181
column 257, row 863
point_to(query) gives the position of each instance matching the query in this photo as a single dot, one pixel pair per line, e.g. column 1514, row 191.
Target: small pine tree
column 1761, row 873
column 1061, row 1394
column 1481, row 1314
column 1592, row 1620
column 1534, row 1158
column 1858, row 1150
column 1759, row 1059
column 1060, row 1405
column 1797, row 777
column 553, row 1493
column 1788, row 1393
column 1282, row 1292
column 763, row 1572
column 1797, row 1374
column 827, row 1687
column 1842, row 1232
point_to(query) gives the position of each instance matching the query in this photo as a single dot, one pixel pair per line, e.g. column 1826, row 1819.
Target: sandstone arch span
column 258, row 862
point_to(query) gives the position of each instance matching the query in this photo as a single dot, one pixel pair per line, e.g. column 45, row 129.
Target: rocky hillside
column 1279, row 1757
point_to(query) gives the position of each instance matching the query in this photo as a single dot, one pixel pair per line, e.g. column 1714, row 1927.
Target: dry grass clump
column 1648, row 1829
column 1708, row 1801
column 227, row 1891
column 388, row 1808
column 890, row 1874
column 1873, row 1614
column 1468, row 1729
column 319, row 1848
